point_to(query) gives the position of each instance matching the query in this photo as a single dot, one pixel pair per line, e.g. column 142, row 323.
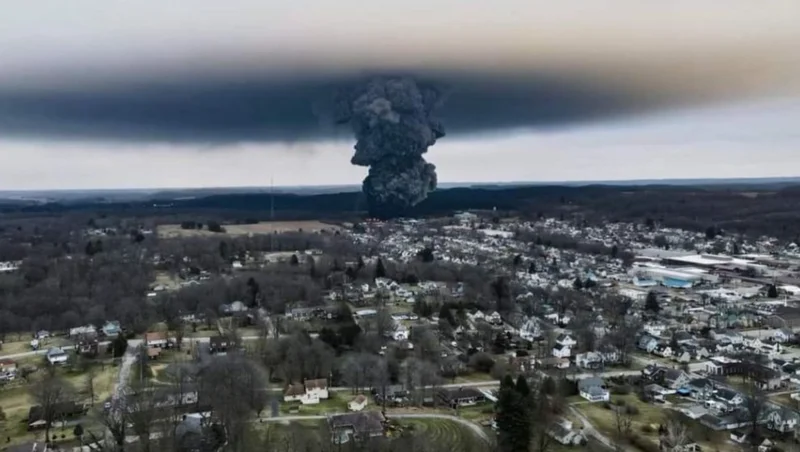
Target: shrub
column 606, row 405
column 621, row 389
column 647, row 429
column 632, row 410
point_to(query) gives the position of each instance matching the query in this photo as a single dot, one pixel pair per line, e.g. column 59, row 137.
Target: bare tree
column 755, row 405
column 50, row 392
column 88, row 387
column 623, row 420
column 676, row 436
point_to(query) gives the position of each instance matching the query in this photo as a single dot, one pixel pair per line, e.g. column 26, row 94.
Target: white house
column 317, row 388
column 655, row 329
column 593, row 389
column 664, row 351
column 565, row 340
column 82, row 330
column 782, row 420
column 560, row 351
column 782, row 336
column 494, row 318
column 357, row 404
column 56, row 356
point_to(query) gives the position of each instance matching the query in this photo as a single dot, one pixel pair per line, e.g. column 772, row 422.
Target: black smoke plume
column 392, row 118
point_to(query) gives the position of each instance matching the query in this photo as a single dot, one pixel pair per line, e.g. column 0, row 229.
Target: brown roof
column 7, row 363
column 319, row 383
column 155, row 336
column 152, row 352
column 361, row 398
column 294, row 390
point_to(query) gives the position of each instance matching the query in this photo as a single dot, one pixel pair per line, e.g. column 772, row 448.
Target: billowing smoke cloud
column 393, row 123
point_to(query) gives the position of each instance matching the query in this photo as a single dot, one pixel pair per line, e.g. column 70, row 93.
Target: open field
column 269, row 227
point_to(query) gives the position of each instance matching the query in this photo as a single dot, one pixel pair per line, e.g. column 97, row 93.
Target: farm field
column 269, row 227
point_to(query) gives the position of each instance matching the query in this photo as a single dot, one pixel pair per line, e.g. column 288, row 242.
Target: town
column 385, row 334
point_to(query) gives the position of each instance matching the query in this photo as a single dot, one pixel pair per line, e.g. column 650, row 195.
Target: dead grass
column 269, row 227
column 24, row 346
column 603, row 419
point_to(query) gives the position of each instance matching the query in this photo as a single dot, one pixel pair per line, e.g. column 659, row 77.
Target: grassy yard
column 16, row 401
column 644, row 423
column 441, row 432
column 24, row 346
column 474, row 377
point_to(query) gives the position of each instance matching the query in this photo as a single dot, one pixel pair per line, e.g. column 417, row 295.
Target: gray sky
column 708, row 90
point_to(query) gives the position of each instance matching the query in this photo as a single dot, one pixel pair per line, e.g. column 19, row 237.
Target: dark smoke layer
column 393, row 124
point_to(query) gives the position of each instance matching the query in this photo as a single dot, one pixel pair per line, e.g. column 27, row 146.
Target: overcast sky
column 174, row 94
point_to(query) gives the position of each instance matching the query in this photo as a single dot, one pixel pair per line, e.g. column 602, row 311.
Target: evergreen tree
column 513, row 416
column 614, row 252
column 380, row 270
column 772, row 291
column 651, row 303
column 578, row 284
column 360, row 263
column 532, row 268
column 294, row 261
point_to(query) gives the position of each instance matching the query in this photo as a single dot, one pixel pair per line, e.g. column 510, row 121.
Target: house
column 42, row 335
column 8, row 370
column 111, row 329
column 593, row 389
column 782, row 420
column 730, row 397
column 647, row 343
column 317, row 388
column 563, row 432
column 657, row 392
column 561, row 351
column 156, row 339
column 739, row 436
column 530, row 329
column 395, row 395
column 358, row 403
column 655, row 329
column 768, row 379
column 675, row 378
column 60, row 411
column 359, row 426
column 701, row 388
column 297, row 393
column 589, row 360
column 494, row 318
column 56, row 356
column 662, row 350
column 565, row 340
column 87, row 345
column 782, row 336
column 458, row 397
column 83, row 330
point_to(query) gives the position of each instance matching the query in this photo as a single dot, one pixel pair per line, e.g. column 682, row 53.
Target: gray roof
column 588, row 383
